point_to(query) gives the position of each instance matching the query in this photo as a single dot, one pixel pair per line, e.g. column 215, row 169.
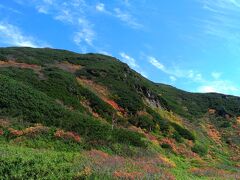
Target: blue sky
column 191, row 44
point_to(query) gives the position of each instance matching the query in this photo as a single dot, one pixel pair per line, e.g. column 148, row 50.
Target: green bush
column 225, row 125
column 166, row 146
column 200, row 149
column 183, row 132
column 129, row 137
column 143, row 121
column 177, row 137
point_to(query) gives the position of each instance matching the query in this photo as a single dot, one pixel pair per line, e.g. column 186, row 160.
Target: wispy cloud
column 222, row 21
column 13, row 36
column 85, row 33
column 124, row 15
column 219, row 86
column 212, row 84
column 132, row 63
column 9, row 9
column 76, row 13
column 157, row 64
column 129, row 60
column 175, row 71
column 127, row 18
column 72, row 13
column 100, row 7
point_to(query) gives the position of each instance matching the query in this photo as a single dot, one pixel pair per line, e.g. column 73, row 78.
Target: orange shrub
column 67, row 135
column 15, row 132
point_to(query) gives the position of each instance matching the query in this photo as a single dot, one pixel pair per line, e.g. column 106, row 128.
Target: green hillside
column 65, row 115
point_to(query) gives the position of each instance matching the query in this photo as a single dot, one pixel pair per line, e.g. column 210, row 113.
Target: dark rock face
column 153, row 99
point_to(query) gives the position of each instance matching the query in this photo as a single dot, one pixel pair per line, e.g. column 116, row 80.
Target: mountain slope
column 63, row 101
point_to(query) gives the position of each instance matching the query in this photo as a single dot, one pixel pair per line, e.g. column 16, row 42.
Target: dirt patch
column 36, row 68
column 98, row 89
column 211, row 111
column 66, row 66
column 102, row 92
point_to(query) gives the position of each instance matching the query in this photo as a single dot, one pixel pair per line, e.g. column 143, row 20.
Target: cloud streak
column 75, row 13
column 72, row 13
column 222, row 21
column 132, row 63
column 175, row 72
column 127, row 18
column 13, row 36
column 129, row 60
column 204, row 85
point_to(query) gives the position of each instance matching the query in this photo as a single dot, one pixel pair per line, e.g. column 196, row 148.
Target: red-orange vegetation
column 103, row 159
column 15, row 132
column 127, row 175
column 38, row 128
column 114, row 105
column 67, row 135
column 214, row 172
column 102, row 92
column 213, row 133
column 187, row 152
column 170, row 142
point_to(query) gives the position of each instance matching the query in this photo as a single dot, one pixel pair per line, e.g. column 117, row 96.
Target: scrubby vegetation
column 53, row 123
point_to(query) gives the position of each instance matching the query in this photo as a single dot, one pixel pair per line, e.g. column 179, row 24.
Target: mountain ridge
column 99, row 101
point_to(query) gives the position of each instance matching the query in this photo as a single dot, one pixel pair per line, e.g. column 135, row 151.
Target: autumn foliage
column 67, row 135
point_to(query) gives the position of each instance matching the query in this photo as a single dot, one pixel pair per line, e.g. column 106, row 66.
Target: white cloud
column 129, row 60
column 127, row 18
column 156, row 63
column 206, row 89
column 85, row 33
column 123, row 15
column 72, row 13
column 176, row 71
column 13, row 36
column 100, row 7
column 41, row 9
column 75, row 13
column 219, row 86
column 65, row 16
column 222, row 22
column 105, row 53
column 132, row 63
column 144, row 74
column 204, row 85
